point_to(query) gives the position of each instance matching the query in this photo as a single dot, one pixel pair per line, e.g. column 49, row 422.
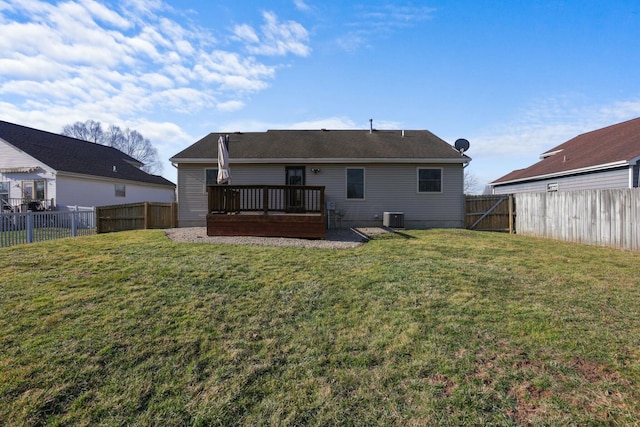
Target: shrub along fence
column 599, row 217
column 28, row 227
column 136, row 216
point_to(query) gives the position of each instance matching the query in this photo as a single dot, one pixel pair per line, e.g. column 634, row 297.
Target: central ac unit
column 393, row 219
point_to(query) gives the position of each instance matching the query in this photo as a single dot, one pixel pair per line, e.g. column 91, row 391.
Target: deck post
column 265, row 199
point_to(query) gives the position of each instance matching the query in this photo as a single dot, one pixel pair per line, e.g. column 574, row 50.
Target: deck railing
column 265, row 198
column 12, row 204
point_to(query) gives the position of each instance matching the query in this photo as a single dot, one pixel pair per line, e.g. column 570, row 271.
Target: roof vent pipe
column 403, row 133
column 370, row 125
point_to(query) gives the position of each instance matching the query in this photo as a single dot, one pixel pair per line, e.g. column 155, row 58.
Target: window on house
column 121, row 190
column 429, row 180
column 355, row 183
column 210, row 178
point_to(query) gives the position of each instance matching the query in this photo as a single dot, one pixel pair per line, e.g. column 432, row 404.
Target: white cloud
column 181, row 100
column 104, row 14
column 372, row 21
column 539, row 127
column 246, row 33
column 74, row 60
column 229, row 106
column 550, row 122
column 30, row 67
column 233, row 72
column 335, row 123
column 301, row 5
column 276, row 38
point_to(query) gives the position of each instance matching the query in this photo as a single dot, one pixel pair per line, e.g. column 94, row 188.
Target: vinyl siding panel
column 80, row 191
column 11, row 157
column 611, row 179
column 192, row 197
column 388, row 187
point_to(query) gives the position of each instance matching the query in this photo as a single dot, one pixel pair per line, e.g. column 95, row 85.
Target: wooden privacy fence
column 599, row 217
column 136, row 216
column 490, row 213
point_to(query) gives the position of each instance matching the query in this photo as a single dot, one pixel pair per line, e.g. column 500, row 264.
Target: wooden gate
column 491, row 213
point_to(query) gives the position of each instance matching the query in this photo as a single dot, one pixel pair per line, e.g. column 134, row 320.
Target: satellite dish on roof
column 461, row 145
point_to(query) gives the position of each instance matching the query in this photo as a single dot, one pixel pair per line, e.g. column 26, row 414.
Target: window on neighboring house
column 33, row 190
column 40, row 189
column 355, row 183
column 429, row 180
column 121, row 190
column 210, row 178
column 4, row 193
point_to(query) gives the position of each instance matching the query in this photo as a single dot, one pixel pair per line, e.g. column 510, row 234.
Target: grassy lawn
column 438, row 327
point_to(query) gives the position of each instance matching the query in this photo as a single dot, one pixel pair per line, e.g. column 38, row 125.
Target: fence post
column 511, row 217
column 146, row 215
column 29, row 227
column 97, row 218
column 74, row 227
column 174, row 214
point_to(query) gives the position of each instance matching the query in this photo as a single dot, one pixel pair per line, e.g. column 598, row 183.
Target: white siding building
column 42, row 170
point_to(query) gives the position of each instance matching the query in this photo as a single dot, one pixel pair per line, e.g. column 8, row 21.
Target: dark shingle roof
column 66, row 154
column 609, row 145
column 325, row 145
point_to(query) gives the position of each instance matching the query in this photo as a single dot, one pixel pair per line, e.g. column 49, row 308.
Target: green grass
column 439, row 327
column 18, row 237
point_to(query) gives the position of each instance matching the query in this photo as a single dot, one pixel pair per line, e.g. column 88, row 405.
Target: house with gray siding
column 606, row 158
column 366, row 173
column 43, row 170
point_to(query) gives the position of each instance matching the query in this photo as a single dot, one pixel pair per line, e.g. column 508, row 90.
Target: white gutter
column 324, row 161
column 632, row 162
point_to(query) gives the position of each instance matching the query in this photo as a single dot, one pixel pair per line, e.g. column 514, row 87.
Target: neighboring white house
column 606, row 158
column 365, row 173
column 43, row 170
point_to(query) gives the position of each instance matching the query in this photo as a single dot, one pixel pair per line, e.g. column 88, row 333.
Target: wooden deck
column 266, row 210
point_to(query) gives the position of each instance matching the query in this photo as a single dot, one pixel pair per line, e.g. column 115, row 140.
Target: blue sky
column 515, row 78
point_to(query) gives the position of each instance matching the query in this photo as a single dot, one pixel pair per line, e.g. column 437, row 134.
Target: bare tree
column 130, row 142
column 87, row 131
column 470, row 182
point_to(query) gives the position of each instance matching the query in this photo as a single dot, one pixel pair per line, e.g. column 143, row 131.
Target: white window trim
column 124, row 190
column 418, row 180
column 364, row 184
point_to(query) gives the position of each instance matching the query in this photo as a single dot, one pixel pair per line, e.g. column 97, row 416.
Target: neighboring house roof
column 66, row 154
column 325, row 146
column 610, row 147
